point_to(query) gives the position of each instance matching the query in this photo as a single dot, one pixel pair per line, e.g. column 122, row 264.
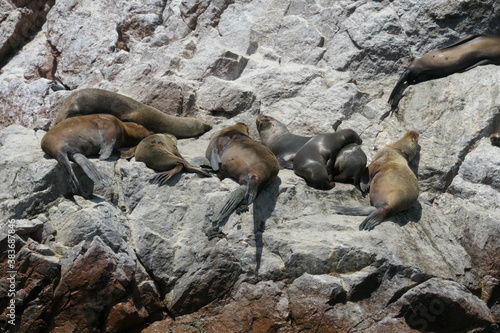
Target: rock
column 135, row 256
column 221, row 96
column 438, row 304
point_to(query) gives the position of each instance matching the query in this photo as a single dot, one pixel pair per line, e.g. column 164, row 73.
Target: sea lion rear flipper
column 354, row 211
column 199, row 171
column 162, row 177
column 128, row 154
column 229, row 205
column 374, row 219
column 90, row 169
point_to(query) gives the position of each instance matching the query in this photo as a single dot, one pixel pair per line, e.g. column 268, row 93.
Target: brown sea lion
column 91, row 101
column 350, row 167
column 315, row 160
column 393, row 185
column 74, row 138
column 495, row 139
column 467, row 53
column 160, row 153
column 275, row 136
column 232, row 153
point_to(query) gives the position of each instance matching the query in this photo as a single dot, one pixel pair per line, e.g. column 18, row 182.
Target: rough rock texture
column 135, row 257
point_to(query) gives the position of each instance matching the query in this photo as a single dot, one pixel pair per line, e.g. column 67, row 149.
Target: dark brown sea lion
column 495, row 139
column 160, row 153
column 91, row 101
column 275, row 136
column 467, row 53
column 74, row 138
column 316, row 159
column 232, row 153
column 350, row 167
column 393, row 185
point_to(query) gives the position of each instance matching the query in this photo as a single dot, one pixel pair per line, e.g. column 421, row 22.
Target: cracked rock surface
column 134, row 257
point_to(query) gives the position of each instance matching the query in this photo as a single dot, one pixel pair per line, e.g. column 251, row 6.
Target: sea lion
column 275, row 136
column 495, row 139
column 232, row 153
column 74, row 138
column 91, row 101
column 393, row 185
column 159, row 152
column 350, row 167
column 315, row 160
column 467, row 53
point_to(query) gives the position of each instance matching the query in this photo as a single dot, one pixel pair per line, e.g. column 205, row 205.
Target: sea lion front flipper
column 215, row 159
column 286, row 164
column 162, row 177
column 229, row 205
column 74, row 184
column 90, row 169
column 399, row 88
column 106, row 149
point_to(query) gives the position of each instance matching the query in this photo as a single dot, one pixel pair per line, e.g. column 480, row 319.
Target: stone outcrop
column 135, row 257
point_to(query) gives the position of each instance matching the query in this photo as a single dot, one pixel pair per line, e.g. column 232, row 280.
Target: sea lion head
column 268, row 126
column 408, row 144
column 240, row 128
column 134, row 133
column 495, row 139
column 349, row 135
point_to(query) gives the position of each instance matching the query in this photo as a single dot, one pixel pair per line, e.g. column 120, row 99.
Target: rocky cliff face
column 134, row 257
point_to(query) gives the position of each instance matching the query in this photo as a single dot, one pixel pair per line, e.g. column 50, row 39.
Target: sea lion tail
column 354, row 211
column 230, row 204
column 90, row 169
column 374, row 219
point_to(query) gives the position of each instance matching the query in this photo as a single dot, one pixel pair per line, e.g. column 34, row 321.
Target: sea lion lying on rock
column 393, row 186
column 91, row 101
column 275, row 136
column 316, row 159
column 160, row 153
column 232, row 153
column 75, row 138
column 467, row 53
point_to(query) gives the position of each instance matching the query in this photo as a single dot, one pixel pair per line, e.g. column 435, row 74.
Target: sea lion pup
column 232, row 153
column 350, row 167
column 160, row 153
column 275, row 136
column 315, row 160
column 467, row 53
column 74, row 138
column 91, row 101
column 393, row 185
column 495, row 139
